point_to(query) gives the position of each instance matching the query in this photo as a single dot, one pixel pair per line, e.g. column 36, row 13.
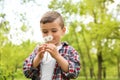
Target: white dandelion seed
column 48, row 38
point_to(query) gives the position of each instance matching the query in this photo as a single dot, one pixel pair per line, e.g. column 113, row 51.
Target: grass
column 108, row 78
column 79, row 78
column 19, row 76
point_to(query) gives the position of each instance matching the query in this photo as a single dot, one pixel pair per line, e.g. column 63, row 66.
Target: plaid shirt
column 68, row 52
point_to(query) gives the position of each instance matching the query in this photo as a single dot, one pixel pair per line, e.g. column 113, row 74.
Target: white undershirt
column 47, row 66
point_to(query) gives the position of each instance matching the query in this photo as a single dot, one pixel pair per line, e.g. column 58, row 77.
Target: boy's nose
column 49, row 34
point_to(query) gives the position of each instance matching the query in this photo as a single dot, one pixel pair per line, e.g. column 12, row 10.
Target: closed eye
column 44, row 31
column 54, row 30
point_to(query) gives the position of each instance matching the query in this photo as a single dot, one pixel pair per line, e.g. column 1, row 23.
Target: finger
column 49, row 50
column 51, row 46
column 41, row 53
column 52, row 52
column 42, row 47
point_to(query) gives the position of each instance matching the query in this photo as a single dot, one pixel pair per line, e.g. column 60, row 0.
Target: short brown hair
column 51, row 16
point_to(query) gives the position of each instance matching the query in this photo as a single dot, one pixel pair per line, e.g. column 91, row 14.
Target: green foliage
column 12, row 57
column 24, row 28
column 101, row 33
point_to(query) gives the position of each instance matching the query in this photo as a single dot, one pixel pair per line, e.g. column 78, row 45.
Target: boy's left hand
column 52, row 49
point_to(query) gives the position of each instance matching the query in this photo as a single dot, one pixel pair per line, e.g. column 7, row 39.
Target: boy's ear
column 64, row 30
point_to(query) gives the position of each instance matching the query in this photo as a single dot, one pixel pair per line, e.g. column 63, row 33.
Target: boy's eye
column 44, row 31
column 54, row 30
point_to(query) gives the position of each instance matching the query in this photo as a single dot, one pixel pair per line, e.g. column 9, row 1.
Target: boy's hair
column 51, row 16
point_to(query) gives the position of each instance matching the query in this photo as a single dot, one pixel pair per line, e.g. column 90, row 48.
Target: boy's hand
column 41, row 51
column 63, row 63
column 39, row 56
column 52, row 49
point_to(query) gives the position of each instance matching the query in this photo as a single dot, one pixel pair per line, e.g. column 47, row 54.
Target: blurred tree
column 101, row 32
column 4, row 30
column 11, row 56
column 101, row 26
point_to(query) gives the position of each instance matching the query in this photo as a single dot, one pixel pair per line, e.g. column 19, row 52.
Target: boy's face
column 53, row 29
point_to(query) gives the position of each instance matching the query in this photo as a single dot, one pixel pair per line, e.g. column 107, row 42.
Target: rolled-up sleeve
column 28, row 70
column 74, row 64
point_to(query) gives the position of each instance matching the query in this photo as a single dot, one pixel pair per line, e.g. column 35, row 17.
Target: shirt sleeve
column 74, row 64
column 28, row 70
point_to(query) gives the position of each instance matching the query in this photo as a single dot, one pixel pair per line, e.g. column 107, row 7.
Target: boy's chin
column 53, row 43
column 57, row 44
column 50, row 42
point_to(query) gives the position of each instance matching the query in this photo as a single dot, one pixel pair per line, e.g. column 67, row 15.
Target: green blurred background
column 93, row 29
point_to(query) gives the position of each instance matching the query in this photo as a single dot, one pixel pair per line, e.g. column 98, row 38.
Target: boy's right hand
column 39, row 56
column 41, row 51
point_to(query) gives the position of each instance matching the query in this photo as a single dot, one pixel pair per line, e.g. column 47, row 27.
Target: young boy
column 53, row 60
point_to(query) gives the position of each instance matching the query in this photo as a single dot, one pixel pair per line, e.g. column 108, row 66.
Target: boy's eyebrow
column 46, row 29
column 42, row 29
column 50, row 29
column 54, row 28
